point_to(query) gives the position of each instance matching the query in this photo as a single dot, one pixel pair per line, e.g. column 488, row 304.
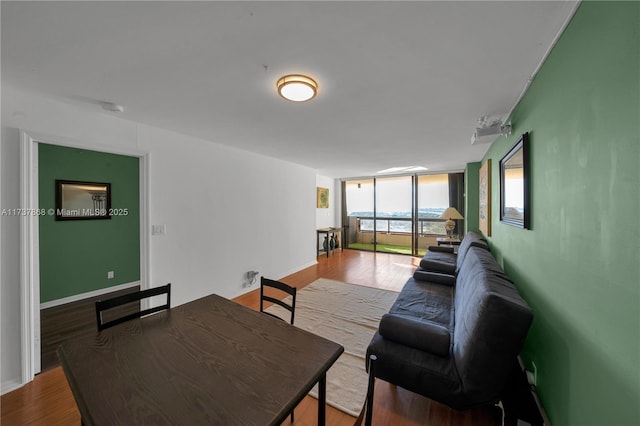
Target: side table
column 444, row 241
column 328, row 232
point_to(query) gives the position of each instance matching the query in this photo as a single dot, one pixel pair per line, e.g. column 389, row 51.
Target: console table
column 328, row 232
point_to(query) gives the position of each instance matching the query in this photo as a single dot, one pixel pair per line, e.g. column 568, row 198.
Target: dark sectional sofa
column 454, row 343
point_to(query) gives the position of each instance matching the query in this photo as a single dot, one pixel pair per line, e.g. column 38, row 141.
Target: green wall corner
column 471, row 199
column 76, row 255
column 579, row 264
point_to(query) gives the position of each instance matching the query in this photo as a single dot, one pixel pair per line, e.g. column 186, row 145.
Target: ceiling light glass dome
column 297, row 88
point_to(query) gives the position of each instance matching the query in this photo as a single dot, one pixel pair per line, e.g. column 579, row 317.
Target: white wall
column 226, row 211
column 331, row 216
column 10, row 278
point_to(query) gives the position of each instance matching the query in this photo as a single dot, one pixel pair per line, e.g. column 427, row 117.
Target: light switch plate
column 158, row 229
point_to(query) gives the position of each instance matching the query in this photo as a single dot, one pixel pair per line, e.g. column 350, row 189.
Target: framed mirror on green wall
column 82, row 200
column 514, row 185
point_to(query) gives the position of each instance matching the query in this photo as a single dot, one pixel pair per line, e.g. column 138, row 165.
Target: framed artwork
column 82, row 200
column 514, row 185
column 323, row 198
column 485, row 198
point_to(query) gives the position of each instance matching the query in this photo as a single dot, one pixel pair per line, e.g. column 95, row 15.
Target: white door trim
column 29, row 239
column 29, row 264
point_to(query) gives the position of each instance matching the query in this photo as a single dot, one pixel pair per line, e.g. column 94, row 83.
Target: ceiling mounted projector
column 487, row 132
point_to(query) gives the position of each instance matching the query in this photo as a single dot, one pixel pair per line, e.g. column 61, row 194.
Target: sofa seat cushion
column 425, row 302
column 422, row 335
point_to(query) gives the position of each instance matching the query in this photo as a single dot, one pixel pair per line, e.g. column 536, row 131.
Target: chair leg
column 291, row 416
column 368, row 417
column 499, row 413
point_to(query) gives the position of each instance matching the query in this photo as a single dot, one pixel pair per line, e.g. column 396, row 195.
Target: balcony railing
column 398, row 225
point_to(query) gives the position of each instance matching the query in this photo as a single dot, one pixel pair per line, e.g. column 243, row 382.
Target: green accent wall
column 76, row 255
column 472, row 198
column 579, row 265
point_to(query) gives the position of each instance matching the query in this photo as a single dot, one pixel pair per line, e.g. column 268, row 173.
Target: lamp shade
column 451, row 213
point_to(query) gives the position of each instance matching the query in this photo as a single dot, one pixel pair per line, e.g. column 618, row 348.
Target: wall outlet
column 110, row 275
column 250, row 278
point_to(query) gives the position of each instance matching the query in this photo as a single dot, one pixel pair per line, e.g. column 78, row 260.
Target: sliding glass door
column 399, row 214
column 394, row 207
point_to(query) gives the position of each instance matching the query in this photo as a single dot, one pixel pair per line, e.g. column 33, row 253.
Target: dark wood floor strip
column 71, row 320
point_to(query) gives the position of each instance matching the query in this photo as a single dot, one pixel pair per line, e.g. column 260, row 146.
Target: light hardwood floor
column 48, row 400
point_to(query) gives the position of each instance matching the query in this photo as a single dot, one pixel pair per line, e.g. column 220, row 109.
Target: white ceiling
column 401, row 83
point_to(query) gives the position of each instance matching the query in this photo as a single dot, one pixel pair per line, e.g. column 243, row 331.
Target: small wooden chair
column 103, row 305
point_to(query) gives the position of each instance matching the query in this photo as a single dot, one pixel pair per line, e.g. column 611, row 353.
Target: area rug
column 349, row 315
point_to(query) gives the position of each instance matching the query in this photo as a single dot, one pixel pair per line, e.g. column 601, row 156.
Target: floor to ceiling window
column 432, row 200
column 399, row 214
column 359, row 213
column 394, row 205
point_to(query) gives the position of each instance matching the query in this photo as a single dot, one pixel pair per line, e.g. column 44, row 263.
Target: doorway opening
column 30, row 240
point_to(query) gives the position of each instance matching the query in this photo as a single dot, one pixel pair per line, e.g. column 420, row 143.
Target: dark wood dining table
column 207, row 362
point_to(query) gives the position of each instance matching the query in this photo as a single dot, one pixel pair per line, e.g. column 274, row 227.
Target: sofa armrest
column 446, row 249
column 426, row 336
column 434, row 277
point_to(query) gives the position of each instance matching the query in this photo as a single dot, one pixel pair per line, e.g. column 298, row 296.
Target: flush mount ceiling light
column 297, row 88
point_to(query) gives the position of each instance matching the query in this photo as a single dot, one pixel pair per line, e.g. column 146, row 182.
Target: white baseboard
column 280, row 275
column 10, row 385
column 87, row 295
column 299, row 268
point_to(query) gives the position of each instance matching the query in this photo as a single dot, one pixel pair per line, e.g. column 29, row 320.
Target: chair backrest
column 265, row 282
column 103, row 305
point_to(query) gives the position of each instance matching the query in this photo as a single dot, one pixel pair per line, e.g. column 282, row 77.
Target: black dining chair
column 368, row 417
column 103, row 305
column 366, row 414
column 283, row 288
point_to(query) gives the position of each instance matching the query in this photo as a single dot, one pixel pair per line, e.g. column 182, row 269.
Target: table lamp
column 450, row 214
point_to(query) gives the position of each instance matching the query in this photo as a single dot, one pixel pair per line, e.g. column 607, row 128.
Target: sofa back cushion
column 491, row 323
column 471, row 239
